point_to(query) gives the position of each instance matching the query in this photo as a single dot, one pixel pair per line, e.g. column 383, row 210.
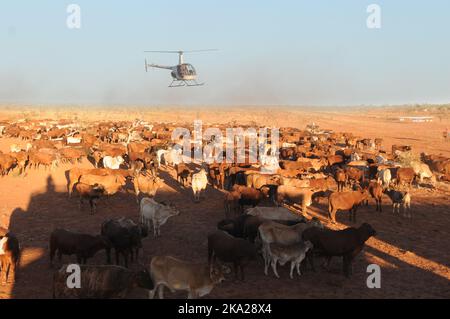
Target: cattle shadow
column 424, row 239
column 52, row 209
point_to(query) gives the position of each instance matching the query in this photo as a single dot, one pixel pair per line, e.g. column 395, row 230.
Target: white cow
column 385, row 177
column 199, row 182
column 73, row 140
column 423, row 171
column 171, row 156
column 151, row 210
column 112, row 162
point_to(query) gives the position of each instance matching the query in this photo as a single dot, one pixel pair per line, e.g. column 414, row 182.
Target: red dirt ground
column 413, row 254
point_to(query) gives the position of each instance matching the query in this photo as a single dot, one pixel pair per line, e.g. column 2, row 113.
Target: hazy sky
column 270, row 52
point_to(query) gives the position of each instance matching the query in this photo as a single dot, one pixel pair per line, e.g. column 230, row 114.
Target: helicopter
column 183, row 74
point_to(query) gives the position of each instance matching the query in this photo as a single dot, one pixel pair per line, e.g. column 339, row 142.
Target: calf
column 346, row 243
column 271, row 232
column 84, row 246
column 376, row 191
column 199, row 182
column 197, row 279
column 90, row 193
column 10, row 254
column 157, row 213
column 294, row 253
column 405, row 175
column 183, row 173
column 346, row 201
column 341, row 179
column 101, row 281
column 400, row 199
column 230, row 249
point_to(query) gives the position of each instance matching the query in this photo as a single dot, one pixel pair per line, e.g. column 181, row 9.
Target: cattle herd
column 266, row 217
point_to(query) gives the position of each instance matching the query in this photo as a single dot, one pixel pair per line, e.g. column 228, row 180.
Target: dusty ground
column 413, row 254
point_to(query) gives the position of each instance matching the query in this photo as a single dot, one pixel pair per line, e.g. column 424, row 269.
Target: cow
column 112, row 162
column 299, row 196
column 10, row 254
column 294, row 253
column 197, row 279
column 100, row 282
column 346, row 243
column 376, row 191
column 341, row 179
column 275, row 213
column 146, row 183
column 125, row 236
column 400, row 199
column 91, row 193
column 272, row 232
column 84, row 246
column 248, row 196
column 385, row 176
column 157, row 213
column 422, row 170
column 199, row 182
column 346, row 201
column 183, row 173
column 7, row 163
column 405, row 175
column 229, row 249
column 231, row 202
column 110, row 183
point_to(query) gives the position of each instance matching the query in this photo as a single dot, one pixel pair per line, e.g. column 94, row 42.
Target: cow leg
column 108, row 255
column 274, row 267
column 310, row 257
column 151, row 293
column 241, row 268
column 117, row 256
column 155, row 232
column 266, row 260
column 161, row 291
column 236, row 270
column 292, row 269
column 298, row 269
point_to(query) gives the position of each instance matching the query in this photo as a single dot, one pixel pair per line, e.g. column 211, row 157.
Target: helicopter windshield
column 188, row 69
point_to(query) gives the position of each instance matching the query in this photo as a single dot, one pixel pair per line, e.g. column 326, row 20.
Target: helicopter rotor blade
column 204, row 50
column 181, row 51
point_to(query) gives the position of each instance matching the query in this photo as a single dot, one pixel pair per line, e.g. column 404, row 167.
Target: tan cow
column 111, row 183
column 197, row 279
column 146, row 183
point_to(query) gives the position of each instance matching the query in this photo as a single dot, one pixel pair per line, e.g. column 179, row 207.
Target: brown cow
column 405, row 175
column 346, row 201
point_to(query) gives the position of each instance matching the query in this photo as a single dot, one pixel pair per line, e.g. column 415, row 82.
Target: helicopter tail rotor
column 146, row 68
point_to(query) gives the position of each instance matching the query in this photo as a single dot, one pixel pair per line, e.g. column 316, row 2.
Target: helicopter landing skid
column 178, row 83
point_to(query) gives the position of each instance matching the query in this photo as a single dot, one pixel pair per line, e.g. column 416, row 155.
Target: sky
column 311, row 53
